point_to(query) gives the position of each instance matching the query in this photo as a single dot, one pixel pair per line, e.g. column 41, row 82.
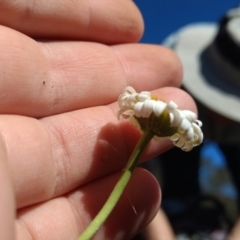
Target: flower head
column 163, row 119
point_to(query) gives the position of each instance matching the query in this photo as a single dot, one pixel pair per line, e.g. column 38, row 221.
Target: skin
column 159, row 228
column 62, row 147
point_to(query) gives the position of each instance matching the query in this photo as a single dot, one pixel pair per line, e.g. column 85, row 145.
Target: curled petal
column 176, row 117
column 184, row 126
column 126, row 114
column 198, row 133
column 187, row 147
column 189, row 134
column 199, row 123
column 142, row 96
column 130, row 100
column 179, row 142
column 174, row 137
column 129, row 90
column 189, row 115
column 126, row 101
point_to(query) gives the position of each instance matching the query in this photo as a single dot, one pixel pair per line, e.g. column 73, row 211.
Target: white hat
column 210, row 55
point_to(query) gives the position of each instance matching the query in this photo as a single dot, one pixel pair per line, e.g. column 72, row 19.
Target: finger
column 7, row 204
column 66, row 217
column 50, row 157
column 103, row 21
column 44, row 79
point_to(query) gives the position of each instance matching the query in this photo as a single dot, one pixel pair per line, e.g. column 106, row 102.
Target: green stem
column 118, row 189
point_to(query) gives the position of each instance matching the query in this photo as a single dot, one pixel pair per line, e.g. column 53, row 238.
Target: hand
column 62, row 147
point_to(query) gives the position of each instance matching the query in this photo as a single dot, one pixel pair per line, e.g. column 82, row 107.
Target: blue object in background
column 213, row 173
column 165, row 17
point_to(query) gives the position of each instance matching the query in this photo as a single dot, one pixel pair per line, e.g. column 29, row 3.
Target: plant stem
column 118, row 189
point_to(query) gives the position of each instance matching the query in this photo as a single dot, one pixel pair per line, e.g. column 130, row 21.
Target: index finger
column 42, row 79
column 102, row 21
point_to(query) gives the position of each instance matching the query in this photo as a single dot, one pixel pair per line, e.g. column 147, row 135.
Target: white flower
column 163, row 119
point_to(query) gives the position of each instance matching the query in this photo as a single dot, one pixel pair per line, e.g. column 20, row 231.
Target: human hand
column 62, row 147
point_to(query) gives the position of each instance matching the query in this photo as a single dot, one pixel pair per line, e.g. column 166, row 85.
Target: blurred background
column 161, row 19
column 164, row 17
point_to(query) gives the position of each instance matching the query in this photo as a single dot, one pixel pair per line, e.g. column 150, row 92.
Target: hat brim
column 189, row 44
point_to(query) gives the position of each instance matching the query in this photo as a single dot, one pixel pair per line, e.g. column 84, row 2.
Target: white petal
column 199, row 134
column 184, row 126
column 147, row 108
column 189, row 134
column 171, row 106
column 141, row 97
column 171, row 115
column 191, row 116
column 130, row 100
column 138, row 108
column 158, row 107
column 176, row 119
column 129, row 90
column 199, row 123
column 187, row 147
column 174, row 137
column 179, row 143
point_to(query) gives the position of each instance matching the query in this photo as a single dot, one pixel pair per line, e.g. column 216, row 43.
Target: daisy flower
column 163, row 119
